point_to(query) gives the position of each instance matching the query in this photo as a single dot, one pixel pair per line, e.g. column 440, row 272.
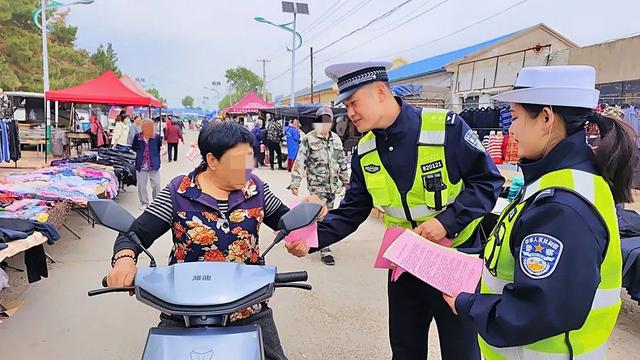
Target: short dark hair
column 218, row 138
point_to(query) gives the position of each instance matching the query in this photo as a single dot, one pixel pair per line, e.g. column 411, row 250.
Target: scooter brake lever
column 111, row 290
column 294, row 285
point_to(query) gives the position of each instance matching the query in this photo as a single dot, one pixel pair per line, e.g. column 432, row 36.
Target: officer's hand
column 432, row 230
column 451, row 300
column 298, row 248
column 294, row 191
column 123, row 273
column 315, row 199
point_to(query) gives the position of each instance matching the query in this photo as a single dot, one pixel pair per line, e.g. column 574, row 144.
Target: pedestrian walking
column 292, row 135
column 275, row 133
column 120, row 131
column 258, row 140
column 134, row 129
column 173, row 136
column 147, row 147
column 321, row 160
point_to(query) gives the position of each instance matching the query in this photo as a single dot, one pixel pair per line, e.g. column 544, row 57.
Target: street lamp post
column 42, row 24
column 295, row 9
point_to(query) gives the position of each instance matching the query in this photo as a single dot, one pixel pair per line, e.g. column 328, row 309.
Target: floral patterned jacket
column 201, row 231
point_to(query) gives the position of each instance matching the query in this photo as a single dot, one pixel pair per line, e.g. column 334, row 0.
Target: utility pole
column 264, row 76
column 311, row 49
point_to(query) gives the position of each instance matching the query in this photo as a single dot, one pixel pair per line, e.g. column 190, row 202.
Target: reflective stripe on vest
column 603, row 298
column 422, row 202
column 521, row 353
column 589, row 341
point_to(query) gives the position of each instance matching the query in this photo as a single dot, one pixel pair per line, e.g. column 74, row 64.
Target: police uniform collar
column 398, row 129
column 565, row 155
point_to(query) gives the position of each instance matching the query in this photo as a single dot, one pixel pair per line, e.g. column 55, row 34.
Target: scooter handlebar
column 289, row 277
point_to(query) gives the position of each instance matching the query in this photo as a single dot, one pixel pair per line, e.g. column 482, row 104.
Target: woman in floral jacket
column 215, row 214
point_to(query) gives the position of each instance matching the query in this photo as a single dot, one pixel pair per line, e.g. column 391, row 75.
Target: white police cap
column 572, row 86
column 352, row 75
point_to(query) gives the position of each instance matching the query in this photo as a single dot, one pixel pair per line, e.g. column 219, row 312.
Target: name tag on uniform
column 432, row 166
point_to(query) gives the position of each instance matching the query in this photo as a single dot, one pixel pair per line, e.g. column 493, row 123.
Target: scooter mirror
column 111, row 215
column 301, row 216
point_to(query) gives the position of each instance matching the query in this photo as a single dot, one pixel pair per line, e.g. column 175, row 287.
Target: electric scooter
column 205, row 294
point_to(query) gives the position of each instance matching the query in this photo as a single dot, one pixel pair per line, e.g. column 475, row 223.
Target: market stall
column 106, row 89
column 249, row 105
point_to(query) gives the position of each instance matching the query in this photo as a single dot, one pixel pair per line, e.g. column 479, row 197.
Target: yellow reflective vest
column 590, row 341
column 431, row 192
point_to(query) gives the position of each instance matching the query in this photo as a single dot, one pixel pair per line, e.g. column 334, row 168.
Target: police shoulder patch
column 539, row 255
column 371, row 168
column 473, row 140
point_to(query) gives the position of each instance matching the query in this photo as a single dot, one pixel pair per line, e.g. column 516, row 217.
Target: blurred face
column 323, row 124
column 364, row 107
column 531, row 133
column 138, row 122
column 148, row 129
column 233, row 168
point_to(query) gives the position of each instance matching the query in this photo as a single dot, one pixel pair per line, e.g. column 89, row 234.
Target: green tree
column 187, row 101
column 21, row 49
column 156, row 94
column 227, row 101
column 243, row 80
column 106, row 59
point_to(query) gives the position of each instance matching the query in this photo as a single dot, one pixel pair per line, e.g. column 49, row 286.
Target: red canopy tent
column 251, row 103
column 105, row 89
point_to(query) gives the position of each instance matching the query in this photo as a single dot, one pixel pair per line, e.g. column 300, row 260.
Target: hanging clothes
column 9, row 141
column 495, row 148
column 505, row 119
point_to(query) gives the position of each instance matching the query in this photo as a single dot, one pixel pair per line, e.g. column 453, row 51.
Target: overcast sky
column 180, row 46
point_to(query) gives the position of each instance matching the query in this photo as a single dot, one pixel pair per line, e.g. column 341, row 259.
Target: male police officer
column 429, row 172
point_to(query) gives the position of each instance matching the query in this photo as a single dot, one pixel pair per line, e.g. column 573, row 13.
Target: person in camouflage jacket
column 321, row 158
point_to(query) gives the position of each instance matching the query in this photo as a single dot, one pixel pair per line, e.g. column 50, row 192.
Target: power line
column 426, row 43
column 321, row 18
column 386, row 32
column 385, row 15
column 397, row 21
column 347, row 14
column 463, row 29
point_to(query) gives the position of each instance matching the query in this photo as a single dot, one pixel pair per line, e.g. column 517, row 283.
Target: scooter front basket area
column 228, row 343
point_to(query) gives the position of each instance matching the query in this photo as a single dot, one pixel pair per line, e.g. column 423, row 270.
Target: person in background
column 275, row 133
column 134, row 129
column 293, row 142
column 551, row 284
column 257, row 142
column 120, row 131
column 99, row 137
column 147, row 147
column 173, row 136
column 321, row 158
column 214, row 214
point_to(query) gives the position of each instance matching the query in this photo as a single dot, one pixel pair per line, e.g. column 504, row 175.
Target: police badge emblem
column 539, row 255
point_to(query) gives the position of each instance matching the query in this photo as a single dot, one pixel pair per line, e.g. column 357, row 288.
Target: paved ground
column 344, row 317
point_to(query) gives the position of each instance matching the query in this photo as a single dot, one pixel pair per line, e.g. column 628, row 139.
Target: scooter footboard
column 228, row 343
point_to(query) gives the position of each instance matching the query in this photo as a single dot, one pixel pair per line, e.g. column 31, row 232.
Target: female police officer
column 551, row 283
